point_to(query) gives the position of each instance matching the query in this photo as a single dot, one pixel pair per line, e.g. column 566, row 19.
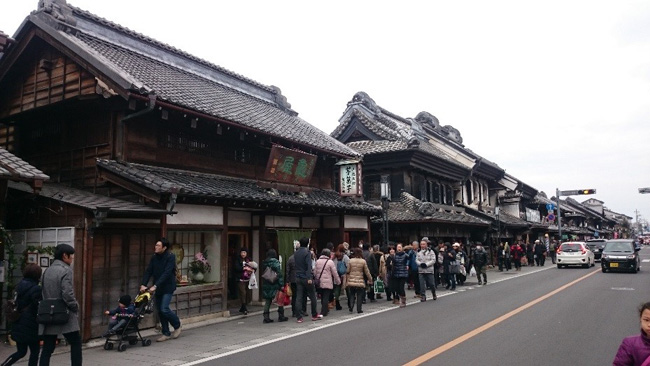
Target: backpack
column 341, row 268
column 12, row 313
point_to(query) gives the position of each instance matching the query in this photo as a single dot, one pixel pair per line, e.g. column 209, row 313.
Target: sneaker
column 176, row 332
column 299, row 320
column 163, row 338
column 317, row 317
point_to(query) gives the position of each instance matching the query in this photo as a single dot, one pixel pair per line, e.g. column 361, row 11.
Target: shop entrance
column 236, row 241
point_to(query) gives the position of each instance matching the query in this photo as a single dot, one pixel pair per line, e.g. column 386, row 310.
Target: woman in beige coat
column 358, row 275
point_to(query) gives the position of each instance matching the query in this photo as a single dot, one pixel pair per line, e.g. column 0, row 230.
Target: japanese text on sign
column 290, row 166
column 349, row 180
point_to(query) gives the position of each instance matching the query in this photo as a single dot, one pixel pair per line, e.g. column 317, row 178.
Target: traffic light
column 587, row 191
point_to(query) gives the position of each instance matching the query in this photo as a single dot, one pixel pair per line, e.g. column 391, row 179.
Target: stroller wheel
column 121, row 347
column 108, row 346
column 146, row 342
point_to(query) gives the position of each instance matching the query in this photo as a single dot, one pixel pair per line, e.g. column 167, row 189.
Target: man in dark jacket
column 480, row 263
column 305, row 281
column 540, row 253
column 162, row 268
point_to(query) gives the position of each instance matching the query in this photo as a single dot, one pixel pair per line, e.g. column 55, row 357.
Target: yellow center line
column 431, row 354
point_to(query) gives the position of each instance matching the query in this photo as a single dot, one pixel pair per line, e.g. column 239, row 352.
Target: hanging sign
column 290, row 166
column 350, row 183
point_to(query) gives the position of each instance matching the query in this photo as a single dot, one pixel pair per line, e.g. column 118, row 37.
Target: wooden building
column 142, row 140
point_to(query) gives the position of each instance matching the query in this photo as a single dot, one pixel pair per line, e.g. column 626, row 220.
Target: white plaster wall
column 196, row 215
column 311, row 222
column 239, row 218
column 282, row 221
column 331, row 222
column 355, row 222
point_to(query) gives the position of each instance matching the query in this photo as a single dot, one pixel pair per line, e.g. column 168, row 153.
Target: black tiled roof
column 143, row 65
column 193, row 184
column 87, row 200
column 15, row 168
column 410, row 209
column 504, row 218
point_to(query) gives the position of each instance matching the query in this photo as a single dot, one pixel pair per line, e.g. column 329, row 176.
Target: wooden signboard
column 290, row 166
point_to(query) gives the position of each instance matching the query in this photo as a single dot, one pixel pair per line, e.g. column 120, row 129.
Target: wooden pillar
column 88, row 288
column 224, row 261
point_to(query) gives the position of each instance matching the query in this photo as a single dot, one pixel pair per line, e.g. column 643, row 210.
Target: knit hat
column 125, row 300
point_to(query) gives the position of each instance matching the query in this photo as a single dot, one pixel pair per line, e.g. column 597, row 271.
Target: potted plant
column 200, row 266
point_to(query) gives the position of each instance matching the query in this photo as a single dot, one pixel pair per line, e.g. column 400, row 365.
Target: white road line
column 317, row 325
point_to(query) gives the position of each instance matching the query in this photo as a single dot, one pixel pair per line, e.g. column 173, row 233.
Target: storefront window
column 189, row 243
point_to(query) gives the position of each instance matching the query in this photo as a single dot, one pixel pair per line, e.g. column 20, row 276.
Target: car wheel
column 603, row 269
column 585, row 265
column 559, row 265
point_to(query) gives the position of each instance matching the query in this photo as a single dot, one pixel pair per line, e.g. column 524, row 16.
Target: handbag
column 52, row 312
column 379, row 285
column 270, row 275
column 12, row 313
column 287, row 290
column 454, row 267
column 317, row 280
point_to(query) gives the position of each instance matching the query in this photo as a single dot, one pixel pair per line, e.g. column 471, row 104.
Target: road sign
column 551, row 217
column 644, row 190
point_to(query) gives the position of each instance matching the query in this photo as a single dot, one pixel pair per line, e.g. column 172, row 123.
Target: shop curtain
column 285, row 243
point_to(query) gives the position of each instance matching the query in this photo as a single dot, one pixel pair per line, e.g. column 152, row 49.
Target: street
column 539, row 316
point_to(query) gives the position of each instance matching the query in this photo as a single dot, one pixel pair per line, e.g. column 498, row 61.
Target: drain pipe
column 150, row 107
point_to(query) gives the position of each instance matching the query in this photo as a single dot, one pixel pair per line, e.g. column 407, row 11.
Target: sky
column 557, row 93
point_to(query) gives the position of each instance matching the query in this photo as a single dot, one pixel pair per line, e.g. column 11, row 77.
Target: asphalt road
column 549, row 316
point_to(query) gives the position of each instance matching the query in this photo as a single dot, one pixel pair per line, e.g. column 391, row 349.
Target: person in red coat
column 516, row 253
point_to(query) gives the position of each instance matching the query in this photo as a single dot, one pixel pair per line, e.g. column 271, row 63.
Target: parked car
column 596, row 246
column 575, row 253
column 621, row 255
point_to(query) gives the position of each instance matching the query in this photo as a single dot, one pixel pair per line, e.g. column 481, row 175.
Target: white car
column 575, row 253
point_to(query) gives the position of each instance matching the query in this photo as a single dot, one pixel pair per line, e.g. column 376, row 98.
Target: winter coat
column 400, row 265
column 329, row 277
column 540, row 249
column 480, row 258
column 57, row 284
column 128, row 310
column 372, row 263
column 383, row 274
column 633, row 351
column 269, row 290
column 358, row 273
column 291, row 269
column 516, row 252
column 162, row 267
column 411, row 256
column 428, row 257
column 238, row 269
column 389, row 264
column 450, row 256
column 25, row 329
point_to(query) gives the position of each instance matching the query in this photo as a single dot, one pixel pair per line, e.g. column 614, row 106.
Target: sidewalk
column 221, row 336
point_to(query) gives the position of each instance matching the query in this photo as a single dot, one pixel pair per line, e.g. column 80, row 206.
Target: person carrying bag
column 58, row 295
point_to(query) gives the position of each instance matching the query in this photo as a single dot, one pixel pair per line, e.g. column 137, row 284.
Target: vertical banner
column 350, row 184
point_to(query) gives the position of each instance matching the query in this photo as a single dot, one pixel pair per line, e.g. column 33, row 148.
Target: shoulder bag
column 52, row 311
column 11, row 309
column 270, row 275
column 317, row 280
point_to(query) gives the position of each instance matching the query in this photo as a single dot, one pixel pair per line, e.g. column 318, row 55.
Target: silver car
column 575, row 253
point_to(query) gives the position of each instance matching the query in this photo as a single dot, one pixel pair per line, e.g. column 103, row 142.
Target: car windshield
column 619, row 247
column 571, row 247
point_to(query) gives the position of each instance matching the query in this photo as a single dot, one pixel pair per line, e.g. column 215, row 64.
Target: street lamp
column 385, row 197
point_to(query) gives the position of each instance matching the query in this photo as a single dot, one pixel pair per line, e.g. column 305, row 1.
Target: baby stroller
column 130, row 333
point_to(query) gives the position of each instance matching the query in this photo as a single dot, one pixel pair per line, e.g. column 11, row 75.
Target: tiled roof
column 14, row 168
column 411, row 209
column 506, row 219
column 87, row 200
column 143, row 65
column 194, row 184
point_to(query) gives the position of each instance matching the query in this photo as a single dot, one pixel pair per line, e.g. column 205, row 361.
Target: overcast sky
column 555, row 92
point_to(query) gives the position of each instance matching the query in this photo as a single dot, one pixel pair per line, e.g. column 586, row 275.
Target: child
column 124, row 310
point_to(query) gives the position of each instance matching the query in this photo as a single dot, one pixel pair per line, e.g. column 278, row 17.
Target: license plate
column 613, row 265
